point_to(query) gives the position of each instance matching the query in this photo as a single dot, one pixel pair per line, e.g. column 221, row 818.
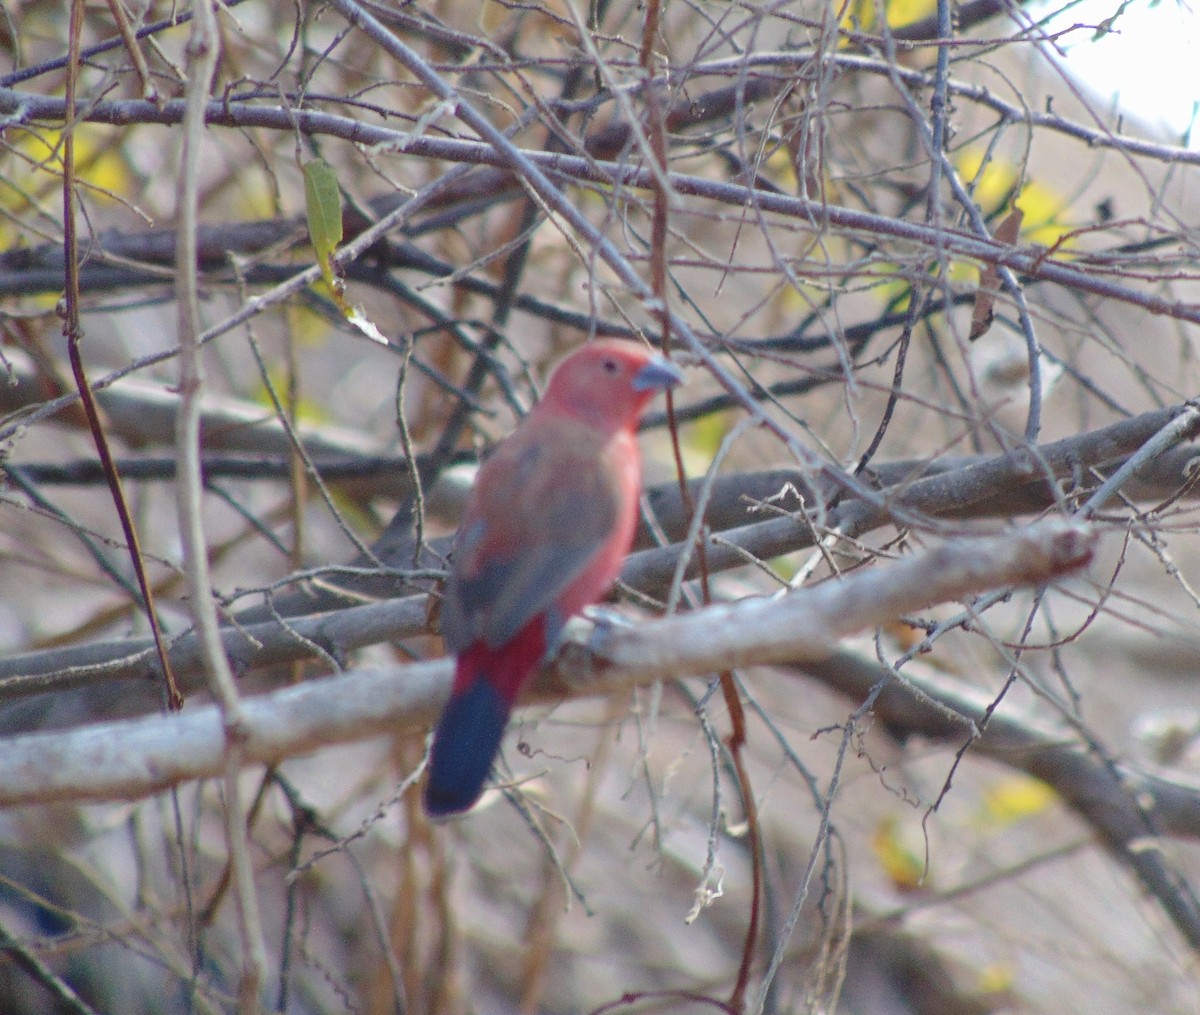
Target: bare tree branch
column 1034, row 263
column 999, row 486
column 131, row 759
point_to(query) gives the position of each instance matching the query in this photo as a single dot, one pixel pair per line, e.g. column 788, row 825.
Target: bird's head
column 610, row 382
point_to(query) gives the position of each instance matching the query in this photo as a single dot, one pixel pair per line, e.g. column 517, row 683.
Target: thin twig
column 202, row 52
column 74, row 334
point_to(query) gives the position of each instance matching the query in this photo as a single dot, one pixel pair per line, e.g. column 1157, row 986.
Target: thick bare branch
column 135, row 758
column 998, row 486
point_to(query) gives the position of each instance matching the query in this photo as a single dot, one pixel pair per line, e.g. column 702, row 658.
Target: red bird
column 547, row 528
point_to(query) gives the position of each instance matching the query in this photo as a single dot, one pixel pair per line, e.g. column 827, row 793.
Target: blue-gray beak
column 657, row 375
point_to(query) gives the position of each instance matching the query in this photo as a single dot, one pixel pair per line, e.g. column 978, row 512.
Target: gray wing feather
column 504, row 595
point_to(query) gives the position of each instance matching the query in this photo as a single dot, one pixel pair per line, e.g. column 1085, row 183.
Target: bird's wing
column 542, row 511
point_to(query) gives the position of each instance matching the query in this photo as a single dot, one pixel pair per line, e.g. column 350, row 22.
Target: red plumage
column 547, row 528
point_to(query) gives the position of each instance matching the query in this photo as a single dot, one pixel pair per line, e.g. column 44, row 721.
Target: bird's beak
column 657, row 375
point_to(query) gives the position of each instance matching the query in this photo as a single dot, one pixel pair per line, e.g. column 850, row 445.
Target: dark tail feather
column 465, row 744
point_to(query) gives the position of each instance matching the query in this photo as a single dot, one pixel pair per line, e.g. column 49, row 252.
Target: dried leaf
column 989, row 277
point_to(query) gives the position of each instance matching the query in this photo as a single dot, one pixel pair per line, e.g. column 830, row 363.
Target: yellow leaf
column 1014, row 798
column 253, row 195
column 34, row 158
column 780, row 169
column 999, row 183
column 996, row 978
column 306, row 326
column 1043, row 209
column 703, row 438
column 785, row 567
column 31, row 177
column 863, row 13
column 894, row 293
column 903, row 866
column 307, row 410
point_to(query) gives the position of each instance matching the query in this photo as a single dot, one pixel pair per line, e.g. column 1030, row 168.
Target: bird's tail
column 465, row 744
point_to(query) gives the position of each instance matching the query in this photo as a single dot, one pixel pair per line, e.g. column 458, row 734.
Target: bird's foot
column 606, row 616
column 594, row 622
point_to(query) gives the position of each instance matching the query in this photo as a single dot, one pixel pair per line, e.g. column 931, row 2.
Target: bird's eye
column 610, row 366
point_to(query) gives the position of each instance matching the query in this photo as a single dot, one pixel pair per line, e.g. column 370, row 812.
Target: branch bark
column 318, row 621
column 126, row 760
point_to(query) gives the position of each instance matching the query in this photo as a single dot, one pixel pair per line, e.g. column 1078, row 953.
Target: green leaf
column 323, row 201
